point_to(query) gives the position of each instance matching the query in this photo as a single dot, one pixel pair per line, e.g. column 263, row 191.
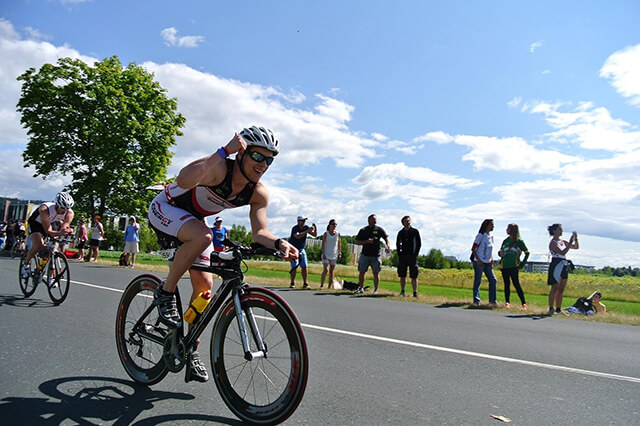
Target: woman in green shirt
column 510, row 251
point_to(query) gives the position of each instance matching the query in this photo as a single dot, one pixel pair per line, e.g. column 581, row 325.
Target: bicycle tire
column 266, row 390
column 58, row 278
column 28, row 284
column 140, row 356
column 16, row 249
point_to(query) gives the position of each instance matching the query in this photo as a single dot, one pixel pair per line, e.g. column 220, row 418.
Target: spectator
column 3, row 233
column 559, row 266
column 588, row 305
column 81, row 238
column 482, row 258
column 298, row 239
column 331, row 251
column 510, row 264
column 131, row 240
column 369, row 238
column 220, row 233
column 408, row 247
column 97, row 236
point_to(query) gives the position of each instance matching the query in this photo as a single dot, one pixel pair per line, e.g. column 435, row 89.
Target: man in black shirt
column 369, row 238
column 408, row 246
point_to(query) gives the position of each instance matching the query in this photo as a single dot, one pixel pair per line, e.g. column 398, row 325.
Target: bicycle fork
column 250, row 319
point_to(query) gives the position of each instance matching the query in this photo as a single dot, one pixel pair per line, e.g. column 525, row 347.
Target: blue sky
column 450, row 112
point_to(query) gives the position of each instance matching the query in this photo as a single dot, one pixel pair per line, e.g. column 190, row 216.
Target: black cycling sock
column 164, row 293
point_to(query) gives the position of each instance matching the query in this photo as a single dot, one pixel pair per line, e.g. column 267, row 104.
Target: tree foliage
column 110, row 127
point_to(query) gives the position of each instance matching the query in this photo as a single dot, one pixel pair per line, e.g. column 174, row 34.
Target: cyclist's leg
column 37, row 243
column 200, row 281
column 195, row 237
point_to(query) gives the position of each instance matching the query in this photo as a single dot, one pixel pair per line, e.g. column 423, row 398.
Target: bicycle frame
column 233, row 284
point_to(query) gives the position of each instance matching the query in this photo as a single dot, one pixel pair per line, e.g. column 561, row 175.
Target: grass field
column 450, row 287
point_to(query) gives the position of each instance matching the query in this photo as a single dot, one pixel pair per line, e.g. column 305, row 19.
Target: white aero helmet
column 64, row 200
column 261, row 136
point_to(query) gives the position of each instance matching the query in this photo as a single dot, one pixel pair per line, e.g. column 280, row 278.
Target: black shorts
column 408, row 261
column 35, row 226
column 94, row 243
column 558, row 269
column 80, row 244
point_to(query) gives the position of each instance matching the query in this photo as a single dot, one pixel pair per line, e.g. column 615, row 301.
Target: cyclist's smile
column 257, row 161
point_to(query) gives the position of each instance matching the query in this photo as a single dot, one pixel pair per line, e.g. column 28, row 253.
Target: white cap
column 302, row 218
column 218, row 219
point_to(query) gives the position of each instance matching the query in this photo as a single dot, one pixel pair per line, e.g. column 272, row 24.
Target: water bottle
column 43, row 262
column 197, row 306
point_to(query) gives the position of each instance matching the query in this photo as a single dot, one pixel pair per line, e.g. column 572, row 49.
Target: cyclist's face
column 254, row 168
column 60, row 210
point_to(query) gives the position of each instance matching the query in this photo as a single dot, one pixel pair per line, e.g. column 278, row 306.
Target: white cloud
column 546, row 72
column 590, row 127
column 536, row 45
column 170, row 36
column 306, row 136
column 504, row 154
column 623, row 71
column 513, row 103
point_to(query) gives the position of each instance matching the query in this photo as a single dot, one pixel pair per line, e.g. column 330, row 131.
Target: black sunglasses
column 259, row 158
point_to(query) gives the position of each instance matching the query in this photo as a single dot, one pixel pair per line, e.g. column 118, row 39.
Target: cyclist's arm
column 45, row 220
column 65, row 227
column 209, row 170
column 259, row 230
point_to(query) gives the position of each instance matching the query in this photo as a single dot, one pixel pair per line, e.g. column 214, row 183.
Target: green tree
column 345, row 259
column 240, row 234
column 434, row 260
column 110, row 127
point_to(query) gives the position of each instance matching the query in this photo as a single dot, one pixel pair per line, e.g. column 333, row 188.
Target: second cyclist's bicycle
column 18, row 247
column 49, row 266
column 258, row 350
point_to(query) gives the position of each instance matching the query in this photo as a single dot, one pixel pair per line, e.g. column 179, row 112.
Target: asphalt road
column 373, row 361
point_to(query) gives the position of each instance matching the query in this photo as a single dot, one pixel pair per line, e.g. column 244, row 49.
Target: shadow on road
column 529, row 316
column 95, row 400
column 21, row 302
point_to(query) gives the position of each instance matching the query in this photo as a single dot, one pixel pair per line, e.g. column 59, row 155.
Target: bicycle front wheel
column 28, row 283
column 58, row 278
column 265, row 390
column 139, row 332
column 17, row 249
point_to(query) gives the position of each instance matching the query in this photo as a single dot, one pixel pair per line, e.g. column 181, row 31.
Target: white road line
column 441, row 348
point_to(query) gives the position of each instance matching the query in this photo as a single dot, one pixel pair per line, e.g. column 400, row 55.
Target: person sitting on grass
column 588, row 305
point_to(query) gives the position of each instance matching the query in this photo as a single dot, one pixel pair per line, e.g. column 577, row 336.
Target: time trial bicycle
column 258, row 351
column 49, row 266
column 18, row 247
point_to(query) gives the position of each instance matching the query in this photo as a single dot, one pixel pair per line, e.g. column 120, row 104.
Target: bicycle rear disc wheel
column 265, row 390
column 28, row 284
column 139, row 332
column 58, row 278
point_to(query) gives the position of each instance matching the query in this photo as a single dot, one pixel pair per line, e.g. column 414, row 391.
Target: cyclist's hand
column 236, row 144
column 288, row 251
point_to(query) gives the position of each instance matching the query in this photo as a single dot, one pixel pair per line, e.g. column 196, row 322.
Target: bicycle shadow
column 534, row 317
column 95, row 400
column 23, row 302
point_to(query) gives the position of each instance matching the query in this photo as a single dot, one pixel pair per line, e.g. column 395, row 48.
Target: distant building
column 16, row 209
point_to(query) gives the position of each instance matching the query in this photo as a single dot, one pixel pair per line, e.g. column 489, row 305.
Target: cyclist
column 40, row 224
column 203, row 188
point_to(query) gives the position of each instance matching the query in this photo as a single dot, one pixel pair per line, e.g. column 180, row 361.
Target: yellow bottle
column 197, row 306
column 43, row 262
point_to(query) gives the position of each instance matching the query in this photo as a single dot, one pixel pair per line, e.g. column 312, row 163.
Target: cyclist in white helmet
column 40, row 224
column 204, row 188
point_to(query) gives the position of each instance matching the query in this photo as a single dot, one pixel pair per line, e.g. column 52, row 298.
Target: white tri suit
column 35, row 223
column 175, row 206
